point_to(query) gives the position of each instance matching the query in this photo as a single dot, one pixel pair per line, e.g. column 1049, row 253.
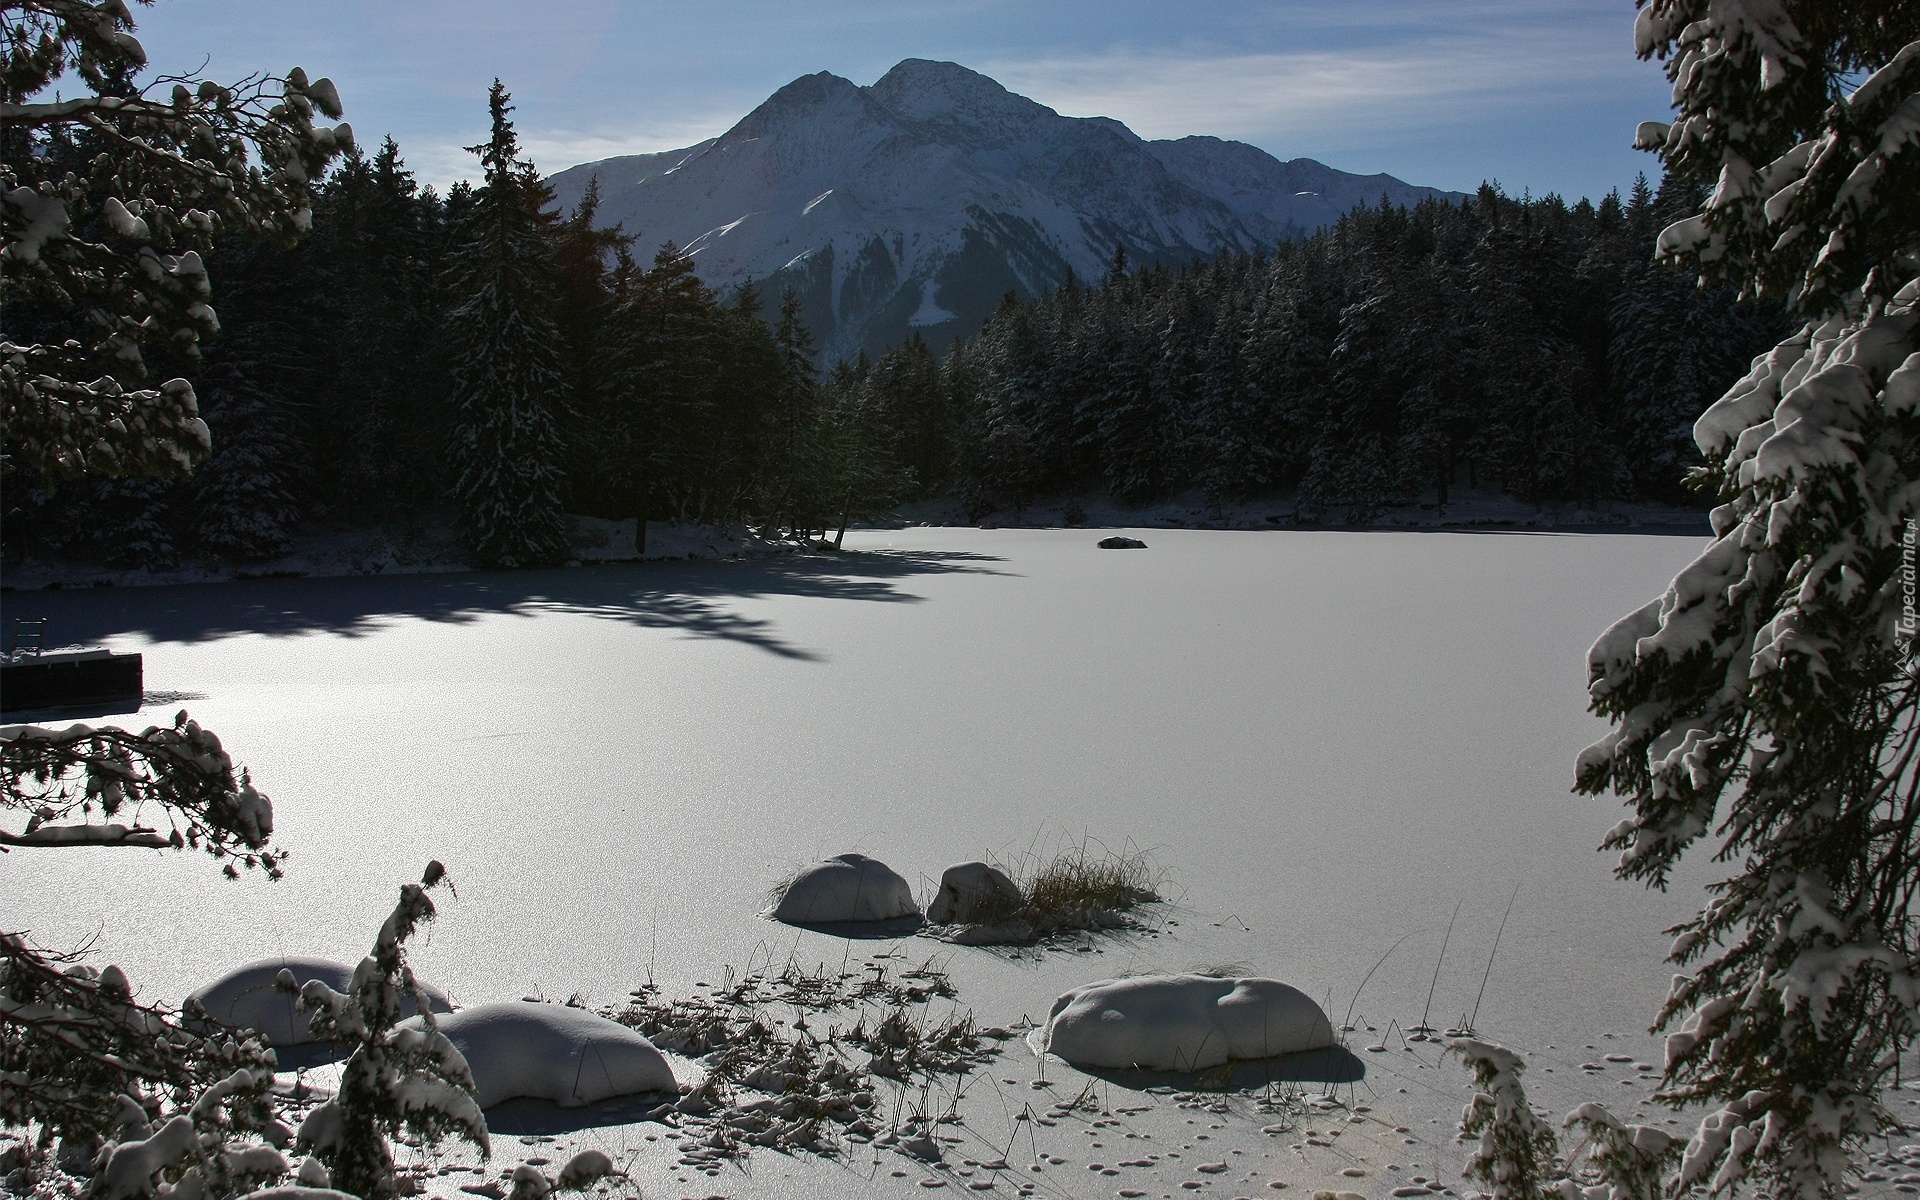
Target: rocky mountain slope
column 917, row 203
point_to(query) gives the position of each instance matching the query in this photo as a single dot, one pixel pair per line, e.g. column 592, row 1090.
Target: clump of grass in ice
column 1084, row 882
column 1083, row 885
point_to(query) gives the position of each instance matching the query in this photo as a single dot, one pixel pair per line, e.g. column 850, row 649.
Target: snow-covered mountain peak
column 808, row 99
column 915, row 204
column 919, row 89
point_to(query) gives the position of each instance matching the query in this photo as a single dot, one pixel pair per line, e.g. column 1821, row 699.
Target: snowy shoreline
column 435, row 549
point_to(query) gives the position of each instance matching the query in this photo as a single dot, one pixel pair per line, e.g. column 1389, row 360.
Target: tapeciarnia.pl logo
column 1905, row 628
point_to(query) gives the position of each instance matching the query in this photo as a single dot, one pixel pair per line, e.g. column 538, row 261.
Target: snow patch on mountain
column 929, row 312
column 918, row 202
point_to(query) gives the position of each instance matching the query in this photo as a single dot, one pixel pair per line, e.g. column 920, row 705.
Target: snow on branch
column 107, row 202
column 70, row 783
column 74, row 1043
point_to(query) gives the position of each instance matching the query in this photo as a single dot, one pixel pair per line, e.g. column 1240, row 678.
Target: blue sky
column 1541, row 94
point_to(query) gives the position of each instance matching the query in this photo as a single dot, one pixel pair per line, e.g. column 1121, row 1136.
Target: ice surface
column 247, row 998
column 1327, row 740
column 846, row 887
column 1326, row 736
column 1181, row 1022
column 553, row 1052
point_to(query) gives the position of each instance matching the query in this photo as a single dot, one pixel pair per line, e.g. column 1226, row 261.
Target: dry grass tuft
column 1082, row 886
column 1084, row 880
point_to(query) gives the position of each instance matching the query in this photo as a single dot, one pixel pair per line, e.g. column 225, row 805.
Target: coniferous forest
column 482, row 359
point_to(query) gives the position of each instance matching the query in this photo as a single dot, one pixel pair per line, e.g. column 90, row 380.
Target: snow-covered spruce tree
column 1517, row 1156
column 1769, row 700
column 508, row 381
column 397, row 1079
column 107, row 202
column 1623, row 1162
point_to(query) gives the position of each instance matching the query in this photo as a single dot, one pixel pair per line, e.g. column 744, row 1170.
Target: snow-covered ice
column 1181, row 1022
column 553, row 1052
column 846, row 887
column 248, row 998
column 1326, row 739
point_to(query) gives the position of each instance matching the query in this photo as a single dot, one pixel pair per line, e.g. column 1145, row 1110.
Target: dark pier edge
column 99, row 682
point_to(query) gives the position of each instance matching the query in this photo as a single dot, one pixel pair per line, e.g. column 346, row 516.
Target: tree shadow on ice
column 695, row 598
column 1335, row 1064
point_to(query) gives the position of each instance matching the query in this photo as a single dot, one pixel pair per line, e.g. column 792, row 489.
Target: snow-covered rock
column 1181, row 1022
column 973, row 891
column 247, row 998
column 1117, row 542
column 846, row 887
column 552, row 1052
column 914, row 204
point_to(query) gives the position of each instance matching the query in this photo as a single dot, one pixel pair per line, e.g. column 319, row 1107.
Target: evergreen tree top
column 500, row 153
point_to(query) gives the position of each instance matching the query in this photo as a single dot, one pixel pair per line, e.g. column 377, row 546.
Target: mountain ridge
column 913, row 204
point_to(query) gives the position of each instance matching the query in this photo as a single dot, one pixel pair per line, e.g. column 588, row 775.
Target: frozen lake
column 1327, row 740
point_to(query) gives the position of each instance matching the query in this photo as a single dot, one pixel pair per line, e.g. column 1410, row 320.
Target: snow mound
column 1116, row 542
column 973, row 891
column 846, row 887
column 551, row 1052
column 246, row 998
column 1181, row 1022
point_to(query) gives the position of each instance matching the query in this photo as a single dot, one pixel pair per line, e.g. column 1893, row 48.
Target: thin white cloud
column 557, row 150
column 1358, row 97
column 440, row 162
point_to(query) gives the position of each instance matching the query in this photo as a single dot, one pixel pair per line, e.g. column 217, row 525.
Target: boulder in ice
column 552, row 1052
column 1181, row 1022
column 846, row 887
column 247, row 998
column 1117, row 542
column 972, row 892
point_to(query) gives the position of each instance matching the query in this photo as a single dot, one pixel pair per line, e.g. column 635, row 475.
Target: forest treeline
column 1521, row 345
column 482, row 357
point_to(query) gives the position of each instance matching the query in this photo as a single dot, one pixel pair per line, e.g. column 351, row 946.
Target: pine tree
column 1290, row 339
column 409, row 264
column 244, row 496
column 798, row 392
column 1535, row 436
column 368, row 317
column 911, row 405
column 660, row 394
column 1770, row 699
column 508, row 383
column 586, row 258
